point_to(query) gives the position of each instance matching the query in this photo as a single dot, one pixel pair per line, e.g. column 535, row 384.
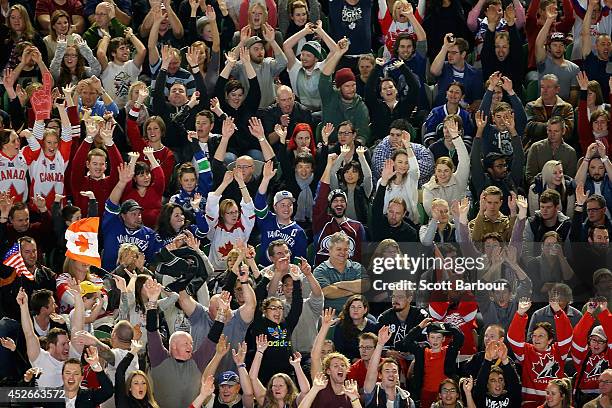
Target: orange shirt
column 434, row 369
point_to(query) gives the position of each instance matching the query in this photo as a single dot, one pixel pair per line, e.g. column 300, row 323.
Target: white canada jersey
column 13, row 176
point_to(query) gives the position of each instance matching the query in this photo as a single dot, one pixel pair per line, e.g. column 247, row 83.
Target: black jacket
column 380, row 225
column 91, row 398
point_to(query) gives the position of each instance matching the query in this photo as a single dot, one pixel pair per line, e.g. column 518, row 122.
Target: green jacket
column 92, row 36
column 335, row 111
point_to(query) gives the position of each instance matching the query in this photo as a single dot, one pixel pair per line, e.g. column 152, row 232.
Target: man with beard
column 400, row 318
column 123, row 223
column 413, row 51
column 329, row 217
column 595, row 208
column 392, row 224
column 595, row 62
column 267, row 68
column 595, row 173
column 551, row 59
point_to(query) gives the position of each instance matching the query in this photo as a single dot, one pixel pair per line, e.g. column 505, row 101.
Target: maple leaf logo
column 545, row 367
column 225, row 249
column 598, row 364
column 83, row 243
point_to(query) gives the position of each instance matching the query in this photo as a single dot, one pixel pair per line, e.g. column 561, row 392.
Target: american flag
column 14, row 259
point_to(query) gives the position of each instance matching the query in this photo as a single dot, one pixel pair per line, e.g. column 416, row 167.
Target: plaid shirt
column 384, row 150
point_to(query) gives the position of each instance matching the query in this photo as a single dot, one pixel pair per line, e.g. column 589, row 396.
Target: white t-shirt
column 51, row 370
column 112, row 369
column 117, row 80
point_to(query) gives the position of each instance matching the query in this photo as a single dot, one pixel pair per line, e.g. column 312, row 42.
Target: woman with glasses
column 228, row 223
column 68, row 64
column 449, row 395
column 353, row 321
column 273, row 328
column 590, row 350
column 552, row 177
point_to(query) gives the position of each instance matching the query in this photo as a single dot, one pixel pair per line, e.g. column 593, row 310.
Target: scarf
column 305, row 201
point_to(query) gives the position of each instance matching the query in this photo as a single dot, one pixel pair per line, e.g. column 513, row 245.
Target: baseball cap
column 557, row 36
column 130, row 205
column 87, row 287
column 281, row 195
column 228, row 378
column 599, row 332
column 437, row 328
column 252, row 41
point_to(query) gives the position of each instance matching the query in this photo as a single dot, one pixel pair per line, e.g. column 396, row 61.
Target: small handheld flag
column 82, row 241
column 14, row 259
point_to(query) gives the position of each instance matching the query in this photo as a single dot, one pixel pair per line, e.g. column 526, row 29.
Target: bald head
column 123, row 332
column 181, row 345
column 285, row 99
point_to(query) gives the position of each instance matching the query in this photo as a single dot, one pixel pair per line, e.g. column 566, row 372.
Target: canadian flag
column 82, row 241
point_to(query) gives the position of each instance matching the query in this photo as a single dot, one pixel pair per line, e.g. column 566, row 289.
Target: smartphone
column 297, row 261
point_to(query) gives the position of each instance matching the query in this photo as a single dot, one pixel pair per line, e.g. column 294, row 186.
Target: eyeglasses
column 368, row 348
column 594, row 209
column 606, row 382
column 274, row 308
column 346, row 133
column 448, row 391
column 596, row 340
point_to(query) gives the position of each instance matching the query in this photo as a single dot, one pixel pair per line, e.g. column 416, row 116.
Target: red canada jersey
column 590, row 366
column 539, row 367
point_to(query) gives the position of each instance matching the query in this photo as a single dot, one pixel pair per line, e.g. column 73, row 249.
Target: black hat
column 129, row 205
column 437, row 328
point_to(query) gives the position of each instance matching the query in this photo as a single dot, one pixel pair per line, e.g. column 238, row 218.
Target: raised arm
column 32, row 343
column 585, row 32
column 438, row 62
column 261, row 342
column 372, row 374
column 126, row 173
column 327, row 319
column 540, row 42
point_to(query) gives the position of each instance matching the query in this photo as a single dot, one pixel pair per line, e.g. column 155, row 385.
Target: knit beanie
column 343, row 76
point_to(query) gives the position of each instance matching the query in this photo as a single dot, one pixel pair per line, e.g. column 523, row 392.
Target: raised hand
column 268, row 170
column 136, row 346
column 510, row 15
column 196, row 200
column 6, row 202
column 351, row 390
column 106, row 133
column 507, row 85
column 268, row 32
column 521, row 202
column 581, row 195
column 207, row 387
column 261, row 342
column 384, row 334
column 8, row 343
column 40, row 203
column 149, row 152
column 296, row 359
column 126, row 173
column 320, row 382
column 92, row 358
column 492, row 351
column 120, row 283
column 22, row 298
column 228, row 128
column 9, row 78
column 453, row 128
column 256, row 128
column 240, row 354
column 551, row 11
column 468, row 384
column 425, row 322
column 327, row 130
column 523, row 306
column 194, row 100
column 245, row 56
column 328, row 317
column 152, row 289
column 388, row 171
column 583, row 80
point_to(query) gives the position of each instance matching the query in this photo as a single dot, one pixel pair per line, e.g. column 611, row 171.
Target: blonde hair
column 328, row 358
column 264, row 10
column 398, row 5
column 28, row 31
column 125, row 249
